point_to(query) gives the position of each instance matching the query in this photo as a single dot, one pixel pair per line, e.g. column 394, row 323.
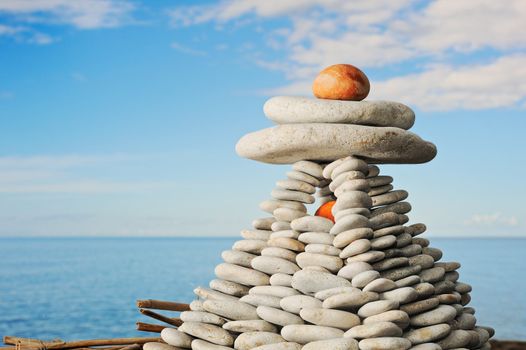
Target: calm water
column 80, row 288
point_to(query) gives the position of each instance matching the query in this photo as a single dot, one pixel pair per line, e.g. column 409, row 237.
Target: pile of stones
column 361, row 278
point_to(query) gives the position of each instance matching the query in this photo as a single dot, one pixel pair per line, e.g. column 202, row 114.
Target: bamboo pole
column 148, row 327
column 174, row 321
column 33, row 343
column 162, row 305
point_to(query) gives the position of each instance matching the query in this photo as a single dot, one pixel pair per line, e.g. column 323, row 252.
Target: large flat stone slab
column 289, row 143
column 293, row 109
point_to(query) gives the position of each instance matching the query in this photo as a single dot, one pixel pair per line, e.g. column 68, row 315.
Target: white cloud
column 394, row 36
column 83, row 14
column 60, row 174
column 495, row 219
column 186, row 50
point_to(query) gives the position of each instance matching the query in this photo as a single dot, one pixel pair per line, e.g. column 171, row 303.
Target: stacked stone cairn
column 362, row 278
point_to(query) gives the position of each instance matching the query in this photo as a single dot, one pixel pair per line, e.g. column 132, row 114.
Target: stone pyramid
column 354, row 276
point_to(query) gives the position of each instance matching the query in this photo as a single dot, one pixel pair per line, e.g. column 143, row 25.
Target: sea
column 83, row 288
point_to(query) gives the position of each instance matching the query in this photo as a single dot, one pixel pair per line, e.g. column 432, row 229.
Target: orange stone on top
column 341, row 82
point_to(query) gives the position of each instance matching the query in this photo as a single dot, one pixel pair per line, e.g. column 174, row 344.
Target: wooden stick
column 33, row 343
column 162, row 305
column 148, row 327
column 172, row 321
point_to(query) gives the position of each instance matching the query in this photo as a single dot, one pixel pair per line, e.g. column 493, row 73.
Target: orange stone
column 326, row 210
column 341, row 82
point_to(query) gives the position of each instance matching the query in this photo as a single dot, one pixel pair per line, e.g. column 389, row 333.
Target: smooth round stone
column 463, row 287
column 270, row 205
column 208, row 332
column 363, row 278
column 201, row 316
column 285, row 234
column 400, row 318
column 434, row 252
column 301, row 176
column 451, row 298
column 444, row 286
column 350, row 164
column 308, row 167
column 286, row 243
column 289, row 143
column 465, row 321
column 288, row 195
column 360, row 211
column 390, row 263
column 425, row 261
column 424, row 290
column 261, row 235
column 295, row 303
column 448, row 266
column 351, row 270
column 263, row 223
column 352, row 199
column 240, row 274
column 317, row 268
column 432, row 275
column 377, row 307
column 233, row 310
column 237, row 257
column 250, row 326
column 158, row 346
column 311, row 223
column 272, row 265
column 404, row 239
column 380, row 180
column 398, row 207
column 331, row 263
column 424, row 242
column 261, row 299
column 410, row 250
column 420, row 306
column 352, row 185
column 252, row 246
column 349, row 222
column 345, row 238
column 277, row 316
column 197, row 305
column 456, row 339
column 349, row 301
column 375, row 191
column 452, row 276
column 441, row 314
column 324, row 294
column 199, row 344
column 384, row 220
column 296, row 185
column 279, row 253
column 316, row 238
column 250, row 340
column 389, row 197
column 280, row 226
column 324, row 249
column 346, row 176
column 279, row 346
column 383, row 242
column 309, row 281
column 373, row 171
column 427, row 334
column 400, row 272
column 230, row 288
column 374, row 330
column 173, row 337
column 384, row 343
column 210, row 294
column 304, row 334
column 391, row 230
column 276, row 291
column 356, row 247
column 293, row 109
column 341, row 82
column 379, row 285
column 281, row 279
column 287, row 214
column 402, row 295
column 330, row 318
column 369, row 257
column 426, row 346
column 333, row 344
column 408, row 281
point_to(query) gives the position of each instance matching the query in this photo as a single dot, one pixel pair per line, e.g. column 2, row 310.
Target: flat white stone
column 210, row 294
column 294, row 109
column 401, row 295
column 363, row 278
column 374, row 330
column 263, row 223
column 380, row 285
column 304, row 334
column 261, row 299
column 279, row 253
column 427, row 334
column 176, row 338
column 332, row 344
column 349, row 222
column 426, row 346
column 286, row 243
column 277, row 291
column 242, row 275
column 252, row 246
column 237, row 257
column 345, row 238
column 400, row 318
column 208, row 332
column 384, row 343
column 331, row 263
column 261, row 235
column 296, row 185
column 312, row 223
column 377, row 307
column 330, row 318
column 250, row 340
column 233, row 310
column 281, row 279
column 287, row 214
column 324, row 294
column 228, row 287
column 199, row 344
column 324, row 249
column 250, row 326
column 349, row 301
column 201, row 316
column 280, row 346
column 272, row 265
column 309, row 281
column 277, row 316
column 270, row 205
column 325, row 142
column 295, row 303
column 356, row 247
column 442, row 314
column 350, row 270
column 311, row 168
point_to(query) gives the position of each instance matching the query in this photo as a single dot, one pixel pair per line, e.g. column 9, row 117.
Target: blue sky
column 120, row 117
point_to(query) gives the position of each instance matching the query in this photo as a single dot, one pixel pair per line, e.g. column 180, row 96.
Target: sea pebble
column 286, row 243
column 272, row 265
column 330, row 318
column 295, row 303
column 363, row 278
column 384, row 343
column 201, row 316
column 312, row 223
column 316, row 238
column 309, row 281
column 287, row 214
column 277, row 291
column 238, row 258
column 311, row 168
column 304, row 334
column 261, row 299
column 279, row 253
column 427, row 334
column 252, row 246
column 377, row 307
column 250, row 326
column 208, row 332
column 332, row 344
column 456, row 339
column 379, row 285
column 296, row 185
column 279, row 346
column 281, row 279
column 207, row 293
column 250, row 340
column 401, row 295
column 324, row 294
column 331, row 263
column 228, row 287
column 200, row 344
column 176, row 338
column 374, row 330
column 441, row 314
column 420, row 306
column 240, row 274
column 346, row 237
column 277, row 316
column 349, row 301
column 356, row 247
column 398, row 317
column 324, row 249
column 232, row 310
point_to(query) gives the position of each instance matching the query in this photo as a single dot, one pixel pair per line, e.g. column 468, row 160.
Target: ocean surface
column 79, row 288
